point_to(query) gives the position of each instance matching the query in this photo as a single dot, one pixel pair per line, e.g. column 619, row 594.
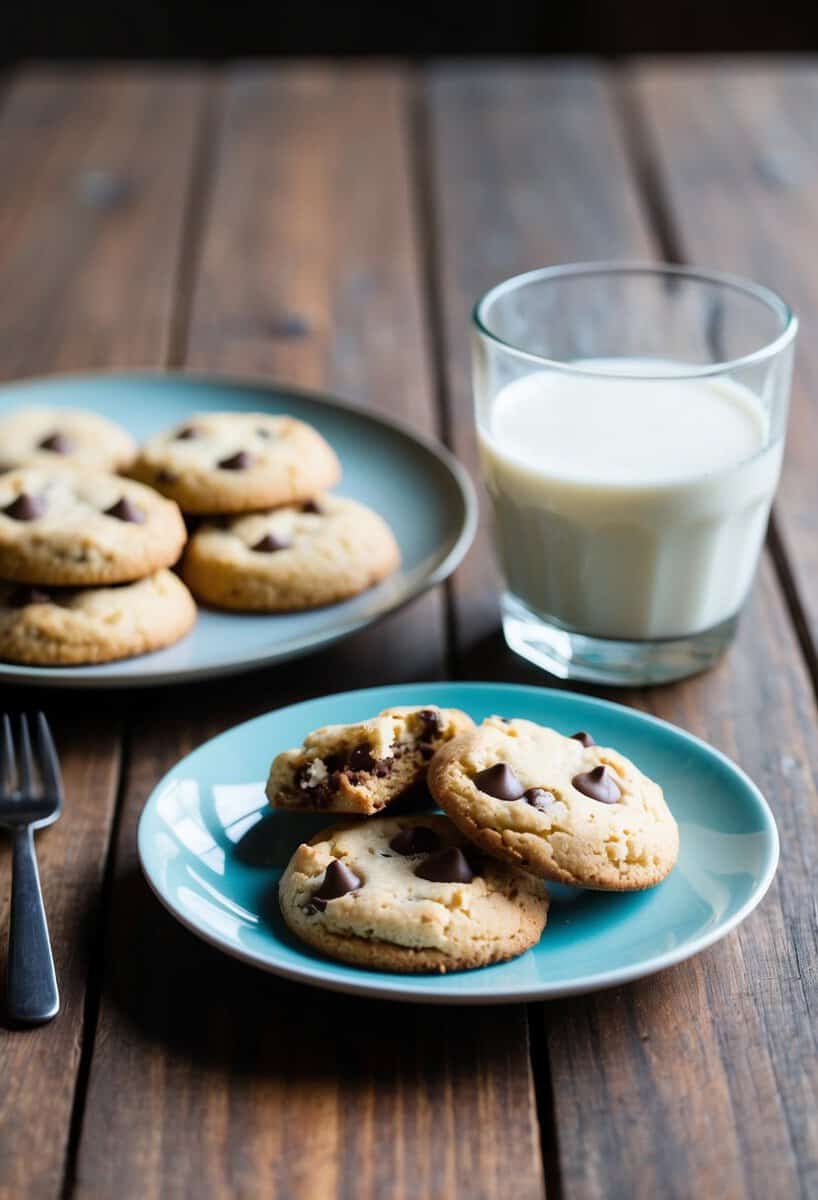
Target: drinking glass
column 631, row 421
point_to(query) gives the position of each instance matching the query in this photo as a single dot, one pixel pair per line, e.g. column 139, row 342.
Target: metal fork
column 31, row 983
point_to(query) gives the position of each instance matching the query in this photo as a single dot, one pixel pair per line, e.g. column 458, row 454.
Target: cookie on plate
column 66, row 627
column 81, row 529
column 295, row 557
column 69, row 436
column 236, row 462
column 409, row 894
column 361, row 768
column 561, row 807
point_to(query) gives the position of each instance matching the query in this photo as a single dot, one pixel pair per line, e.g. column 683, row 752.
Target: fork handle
column 31, row 983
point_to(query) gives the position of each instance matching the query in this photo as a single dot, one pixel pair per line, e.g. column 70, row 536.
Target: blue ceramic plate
column 213, row 855
column 419, row 488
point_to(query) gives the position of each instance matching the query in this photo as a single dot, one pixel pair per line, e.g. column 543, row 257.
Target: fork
column 31, row 983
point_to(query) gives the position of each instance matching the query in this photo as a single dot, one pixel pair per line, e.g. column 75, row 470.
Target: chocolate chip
column 187, row 434
column 237, row 462
column 499, row 781
column 539, row 798
column 165, row 476
column 290, row 325
column 599, row 784
column 338, row 881
column 426, row 751
column 270, row 543
column 264, row 434
column 126, row 510
column 57, row 443
column 419, row 839
column 431, row 723
column 23, row 596
column 583, row 737
column 312, row 506
column 26, row 508
column 361, row 759
column 316, row 795
column 449, row 866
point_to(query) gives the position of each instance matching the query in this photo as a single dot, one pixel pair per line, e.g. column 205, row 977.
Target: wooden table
column 330, row 226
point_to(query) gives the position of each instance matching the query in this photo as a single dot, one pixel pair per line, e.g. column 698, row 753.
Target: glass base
column 602, row 660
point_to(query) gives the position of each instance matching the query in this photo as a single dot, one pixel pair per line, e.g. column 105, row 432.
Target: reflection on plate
column 212, row 852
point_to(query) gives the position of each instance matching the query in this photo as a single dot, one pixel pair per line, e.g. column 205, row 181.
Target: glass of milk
column 631, row 423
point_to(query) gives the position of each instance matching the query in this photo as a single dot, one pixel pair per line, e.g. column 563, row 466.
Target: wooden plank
column 208, row 1077
column 700, row 1081
column 94, row 168
column 95, row 171
column 523, row 157
column 736, row 152
column 710, row 1067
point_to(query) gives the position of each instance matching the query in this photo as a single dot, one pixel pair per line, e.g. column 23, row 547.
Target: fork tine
column 6, row 756
column 26, row 767
column 49, row 763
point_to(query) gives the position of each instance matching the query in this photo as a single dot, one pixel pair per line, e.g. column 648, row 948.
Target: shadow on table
column 194, row 1003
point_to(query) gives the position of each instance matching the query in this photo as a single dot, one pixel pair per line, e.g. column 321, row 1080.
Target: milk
column 628, row 508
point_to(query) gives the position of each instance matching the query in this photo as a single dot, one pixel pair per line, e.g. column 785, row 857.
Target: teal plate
column 413, row 482
column 213, row 855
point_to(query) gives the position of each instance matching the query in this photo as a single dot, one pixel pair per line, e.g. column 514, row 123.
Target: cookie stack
column 272, row 539
column 84, row 553
column 424, row 892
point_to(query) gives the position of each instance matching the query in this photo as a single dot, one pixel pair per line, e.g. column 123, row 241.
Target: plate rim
column 20, row 674
column 313, row 975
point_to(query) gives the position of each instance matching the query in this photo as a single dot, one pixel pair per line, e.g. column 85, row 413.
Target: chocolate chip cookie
column 295, row 557
column 409, row 894
column 561, row 807
column 66, row 627
column 363, row 767
column 237, row 462
column 69, row 436
column 65, row 527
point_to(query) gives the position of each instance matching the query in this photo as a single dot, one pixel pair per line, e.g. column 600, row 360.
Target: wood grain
column 92, row 204
column 700, row 1081
column 710, row 1067
column 747, row 130
column 209, row 1078
column 529, row 171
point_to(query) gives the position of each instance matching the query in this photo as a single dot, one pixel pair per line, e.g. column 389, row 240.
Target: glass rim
column 737, row 283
